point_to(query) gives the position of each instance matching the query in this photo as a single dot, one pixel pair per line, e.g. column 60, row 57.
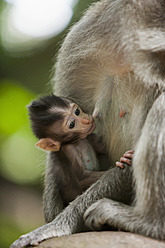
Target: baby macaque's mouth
column 92, row 128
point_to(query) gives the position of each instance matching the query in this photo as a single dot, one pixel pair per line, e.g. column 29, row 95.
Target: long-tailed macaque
column 62, row 128
column 114, row 57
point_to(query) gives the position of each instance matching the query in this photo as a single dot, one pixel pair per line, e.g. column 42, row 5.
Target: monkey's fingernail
column 118, row 164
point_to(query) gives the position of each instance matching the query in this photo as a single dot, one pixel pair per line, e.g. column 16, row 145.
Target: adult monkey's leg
column 115, row 184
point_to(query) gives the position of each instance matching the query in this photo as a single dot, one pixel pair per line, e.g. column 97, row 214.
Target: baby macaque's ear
column 49, row 145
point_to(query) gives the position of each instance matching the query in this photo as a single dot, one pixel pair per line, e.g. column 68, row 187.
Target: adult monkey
column 114, row 58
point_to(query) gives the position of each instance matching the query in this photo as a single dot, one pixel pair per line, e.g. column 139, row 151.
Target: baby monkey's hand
column 127, row 158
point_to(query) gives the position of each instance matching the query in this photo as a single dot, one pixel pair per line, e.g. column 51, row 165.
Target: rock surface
column 102, row 240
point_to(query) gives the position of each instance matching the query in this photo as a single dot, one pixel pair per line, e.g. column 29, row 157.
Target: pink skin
column 127, row 158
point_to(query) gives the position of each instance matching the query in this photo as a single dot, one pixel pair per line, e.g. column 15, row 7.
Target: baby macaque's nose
column 86, row 121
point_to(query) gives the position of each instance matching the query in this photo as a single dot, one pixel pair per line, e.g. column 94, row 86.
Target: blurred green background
column 31, row 32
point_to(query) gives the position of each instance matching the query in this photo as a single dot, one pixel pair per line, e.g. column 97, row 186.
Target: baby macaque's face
column 75, row 121
column 58, row 121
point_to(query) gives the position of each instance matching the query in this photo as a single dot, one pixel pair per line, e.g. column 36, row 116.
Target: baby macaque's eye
column 77, row 112
column 72, row 124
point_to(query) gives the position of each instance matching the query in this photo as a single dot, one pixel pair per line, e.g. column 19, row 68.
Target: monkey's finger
column 130, row 151
column 128, row 155
column 125, row 160
column 118, row 164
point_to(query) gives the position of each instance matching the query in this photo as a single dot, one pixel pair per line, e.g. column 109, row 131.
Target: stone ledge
column 105, row 239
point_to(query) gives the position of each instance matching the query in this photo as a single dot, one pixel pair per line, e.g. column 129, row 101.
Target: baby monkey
column 62, row 128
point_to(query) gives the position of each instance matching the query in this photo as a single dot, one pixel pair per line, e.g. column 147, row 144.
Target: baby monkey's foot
column 127, row 158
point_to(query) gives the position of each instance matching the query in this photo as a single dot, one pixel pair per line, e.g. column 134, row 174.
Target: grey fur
column 121, row 44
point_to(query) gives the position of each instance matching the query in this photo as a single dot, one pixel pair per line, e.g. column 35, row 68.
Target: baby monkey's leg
column 127, row 158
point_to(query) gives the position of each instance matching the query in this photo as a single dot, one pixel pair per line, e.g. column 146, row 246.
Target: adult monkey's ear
column 49, row 145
